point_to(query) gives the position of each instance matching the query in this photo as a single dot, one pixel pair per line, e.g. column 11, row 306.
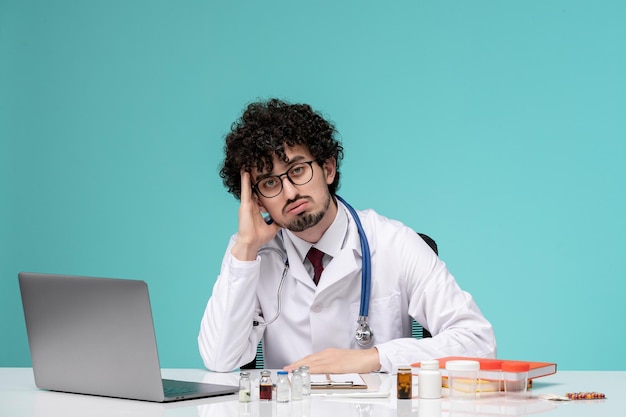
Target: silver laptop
column 96, row 336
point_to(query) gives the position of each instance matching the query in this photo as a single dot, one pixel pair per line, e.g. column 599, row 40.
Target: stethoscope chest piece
column 364, row 334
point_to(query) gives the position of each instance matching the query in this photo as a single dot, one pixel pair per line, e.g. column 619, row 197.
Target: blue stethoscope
column 363, row 334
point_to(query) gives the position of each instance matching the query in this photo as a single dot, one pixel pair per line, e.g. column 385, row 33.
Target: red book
column 537, row 369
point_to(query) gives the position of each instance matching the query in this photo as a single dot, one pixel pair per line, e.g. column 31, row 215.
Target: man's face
column 298, row 207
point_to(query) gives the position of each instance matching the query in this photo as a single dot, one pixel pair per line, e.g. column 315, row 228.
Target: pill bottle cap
column 462, row 365
column 281, row 373
column 490, row 365
column 432, row 365
column 244, row 373
column 515, row 367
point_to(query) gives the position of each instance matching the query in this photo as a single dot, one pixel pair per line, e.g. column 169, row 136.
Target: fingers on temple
column 246, row 187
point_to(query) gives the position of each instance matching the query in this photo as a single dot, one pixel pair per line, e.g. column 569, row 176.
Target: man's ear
column 330, row 170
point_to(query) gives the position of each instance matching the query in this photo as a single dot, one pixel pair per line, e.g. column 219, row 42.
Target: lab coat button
column 317, row 308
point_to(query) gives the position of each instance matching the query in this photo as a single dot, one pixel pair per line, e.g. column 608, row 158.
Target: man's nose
column 289, row 189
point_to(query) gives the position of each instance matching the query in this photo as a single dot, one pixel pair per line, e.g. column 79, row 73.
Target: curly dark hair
column 263, row 131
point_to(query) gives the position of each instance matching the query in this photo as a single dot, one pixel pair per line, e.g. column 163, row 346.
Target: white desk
column 19, row 397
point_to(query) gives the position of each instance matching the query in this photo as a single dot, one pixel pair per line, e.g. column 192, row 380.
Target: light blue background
column 497, row 127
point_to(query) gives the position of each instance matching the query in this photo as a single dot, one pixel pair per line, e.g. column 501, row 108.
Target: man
column 282, row 160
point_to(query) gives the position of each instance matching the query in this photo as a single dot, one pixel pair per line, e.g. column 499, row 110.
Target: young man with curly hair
column 283, row 160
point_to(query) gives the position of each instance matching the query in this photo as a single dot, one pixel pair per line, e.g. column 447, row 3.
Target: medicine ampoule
column 265, row 386
column 245, row 387
column 405, row 383
column 283, row 387
column 306, row 380
column 296, row 385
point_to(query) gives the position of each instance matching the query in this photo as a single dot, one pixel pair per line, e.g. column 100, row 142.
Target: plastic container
column 490, row 379
column 515, row 376
column 429, row 380
column 405, row 383
column 462, row 379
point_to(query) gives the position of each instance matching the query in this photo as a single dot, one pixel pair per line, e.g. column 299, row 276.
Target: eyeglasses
column 299, row 174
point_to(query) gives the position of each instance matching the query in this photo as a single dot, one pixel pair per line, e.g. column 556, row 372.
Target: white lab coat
column 408, row 280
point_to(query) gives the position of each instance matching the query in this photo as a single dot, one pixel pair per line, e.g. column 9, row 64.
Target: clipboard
column 337, row 381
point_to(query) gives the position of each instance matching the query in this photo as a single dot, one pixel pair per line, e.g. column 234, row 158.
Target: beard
column 308, row 220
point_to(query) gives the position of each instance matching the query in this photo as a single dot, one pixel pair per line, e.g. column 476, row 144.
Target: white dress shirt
column 408, row 280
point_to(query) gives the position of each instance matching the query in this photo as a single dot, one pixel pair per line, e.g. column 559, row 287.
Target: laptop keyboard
column 177, row 388
column 176, row 391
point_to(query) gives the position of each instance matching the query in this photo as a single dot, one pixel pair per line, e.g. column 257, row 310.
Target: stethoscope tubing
column 366, row 274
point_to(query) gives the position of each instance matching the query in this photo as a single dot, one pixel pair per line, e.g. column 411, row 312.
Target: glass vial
column 245, row 387
column 429, row 380
column 306, row 381
column 296, row 385
column 265, row 386
column 405, row 383
column 283, row 388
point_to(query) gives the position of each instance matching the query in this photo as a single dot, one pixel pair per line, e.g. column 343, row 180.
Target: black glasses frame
column 280, row 179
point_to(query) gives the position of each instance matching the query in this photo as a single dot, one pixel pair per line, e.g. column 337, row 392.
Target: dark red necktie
column 315, row 257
